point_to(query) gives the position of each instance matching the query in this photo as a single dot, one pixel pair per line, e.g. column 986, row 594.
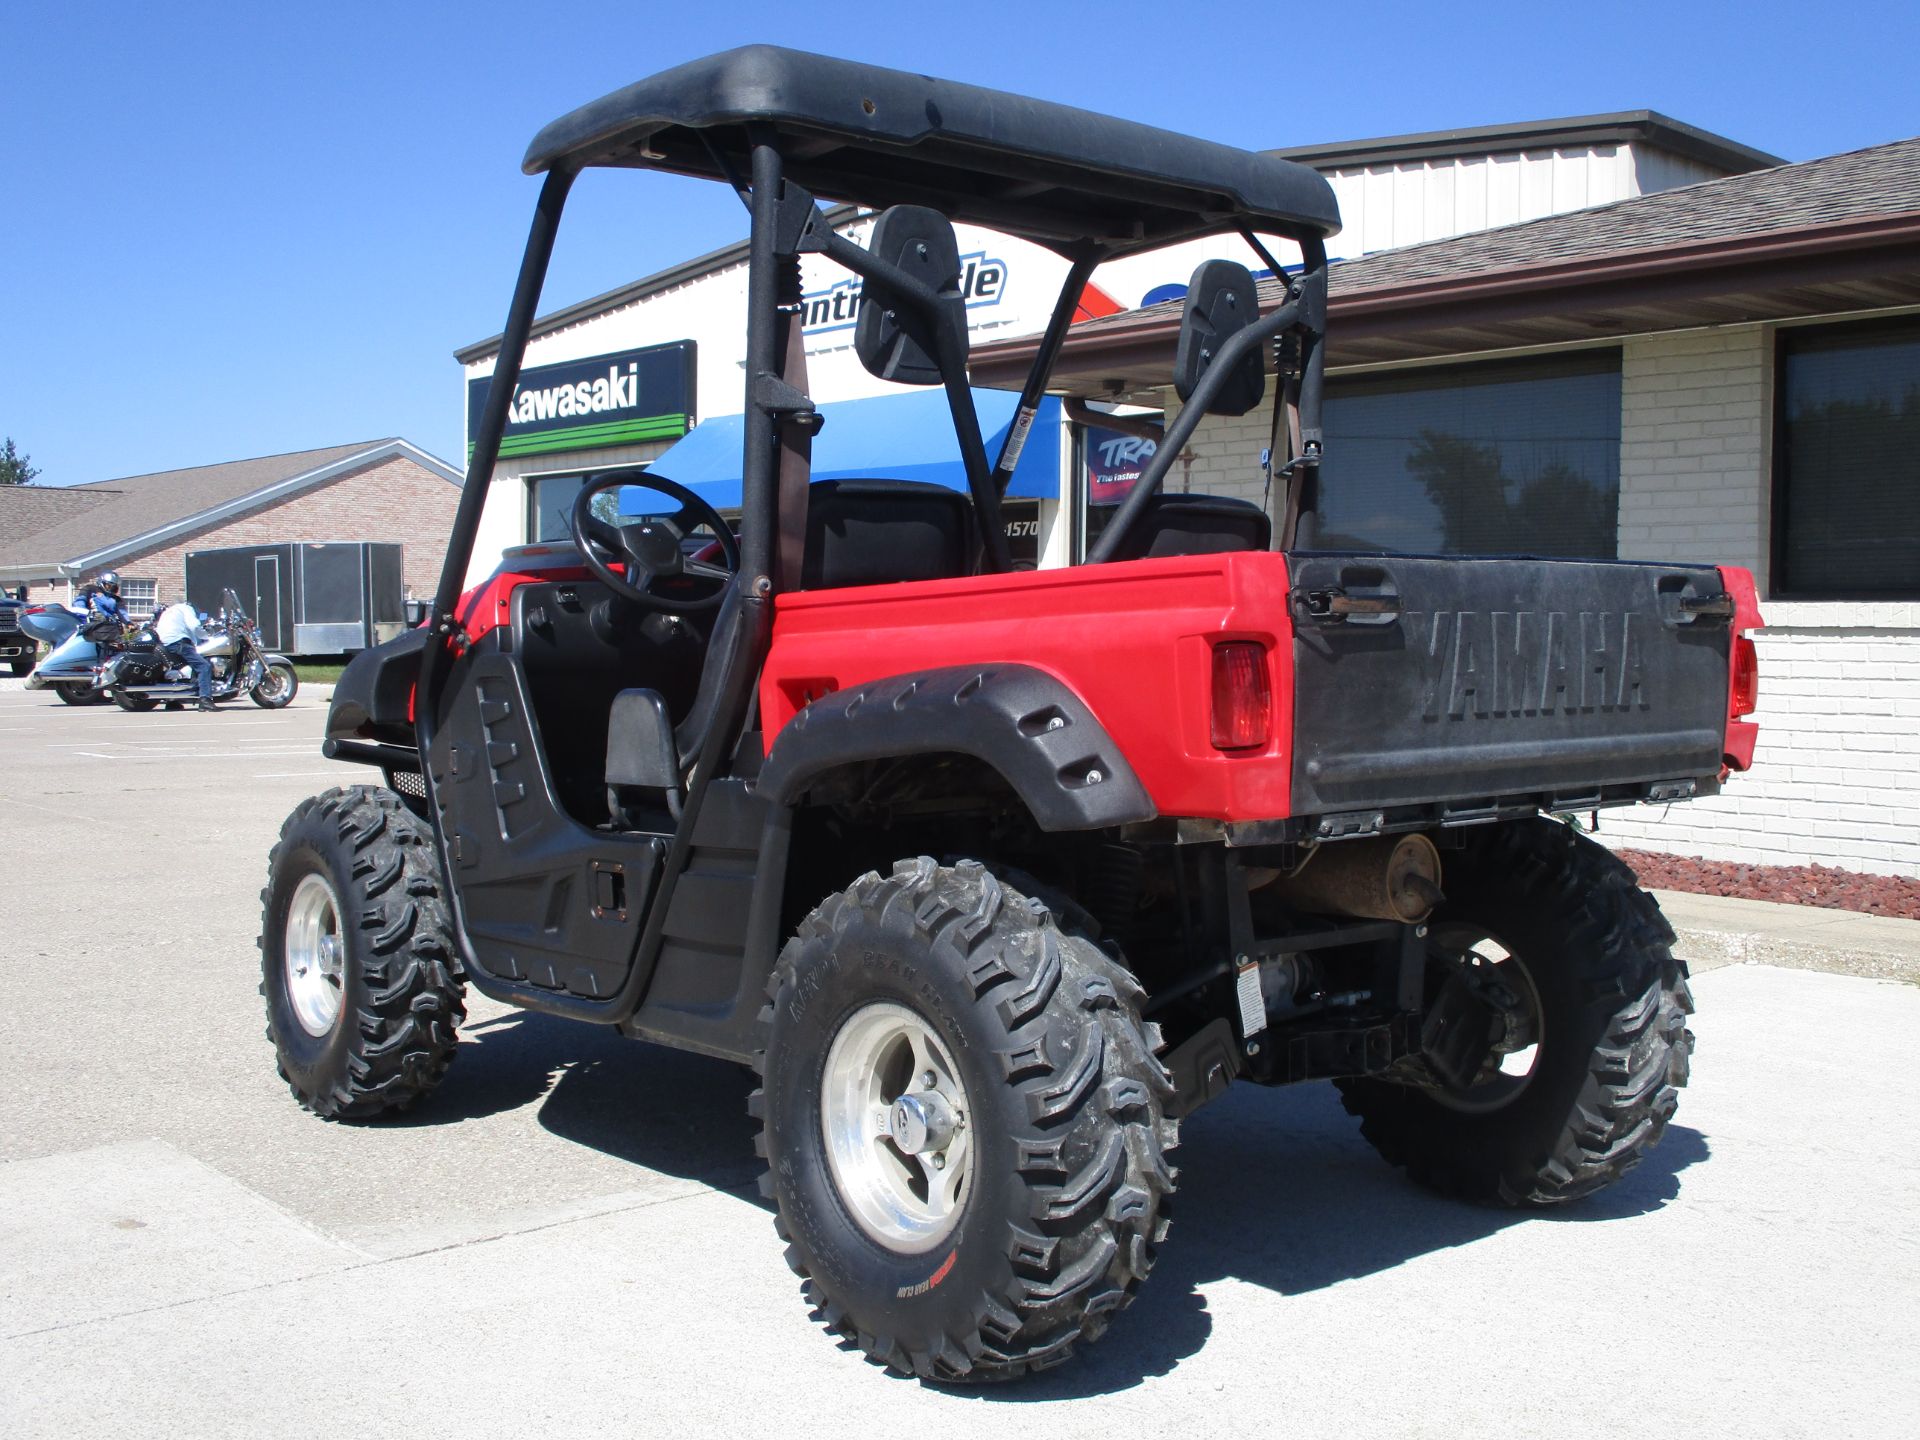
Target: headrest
column 879, row 532
column 1196, row 525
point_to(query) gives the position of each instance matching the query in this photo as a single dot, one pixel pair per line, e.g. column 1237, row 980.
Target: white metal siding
column 1386, row 206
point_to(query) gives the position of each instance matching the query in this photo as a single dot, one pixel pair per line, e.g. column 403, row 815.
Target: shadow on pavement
column 680, row 1114
column 1277, row 1188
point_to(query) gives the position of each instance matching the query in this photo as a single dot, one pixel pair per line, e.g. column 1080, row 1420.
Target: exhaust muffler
column 1387, row 877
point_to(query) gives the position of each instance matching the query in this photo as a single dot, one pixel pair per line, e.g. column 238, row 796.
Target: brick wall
column 395, row 501
column 1223, row 457
column 1836, row 778
column 1694, row 436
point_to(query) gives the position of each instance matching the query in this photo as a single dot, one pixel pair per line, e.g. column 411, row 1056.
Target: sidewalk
column 1717, row 930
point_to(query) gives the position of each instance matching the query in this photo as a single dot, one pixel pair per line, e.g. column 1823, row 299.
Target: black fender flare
column 373, row 698
column 1028, row 725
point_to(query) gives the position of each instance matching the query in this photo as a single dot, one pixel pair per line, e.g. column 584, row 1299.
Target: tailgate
column 1472, row 685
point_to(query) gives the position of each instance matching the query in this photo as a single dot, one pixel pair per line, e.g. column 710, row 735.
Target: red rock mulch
column 1820, row 885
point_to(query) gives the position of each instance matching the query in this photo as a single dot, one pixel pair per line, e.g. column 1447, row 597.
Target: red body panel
column 1742, row 734
column 1133, row 640
column 489, row 605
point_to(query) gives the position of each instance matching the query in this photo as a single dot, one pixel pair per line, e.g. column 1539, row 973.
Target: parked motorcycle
column 81, row 644
column 145, row 674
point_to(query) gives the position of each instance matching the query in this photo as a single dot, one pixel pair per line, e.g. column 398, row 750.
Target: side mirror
column 1221, row 301
column 896, row 336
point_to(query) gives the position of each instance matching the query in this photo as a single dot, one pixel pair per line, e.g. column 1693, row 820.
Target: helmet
column 109, row 581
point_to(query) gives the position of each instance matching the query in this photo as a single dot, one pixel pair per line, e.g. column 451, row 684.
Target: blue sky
column 234, row 230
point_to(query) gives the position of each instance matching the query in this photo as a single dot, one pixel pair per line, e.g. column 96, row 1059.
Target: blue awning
column 888, row 437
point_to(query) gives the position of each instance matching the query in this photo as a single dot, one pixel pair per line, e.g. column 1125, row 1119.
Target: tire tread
column 1622, row 942
column 1083, row 1065
column 407, row 1031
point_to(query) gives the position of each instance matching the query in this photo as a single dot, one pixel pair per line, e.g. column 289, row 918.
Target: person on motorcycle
column 101, row 596
column 180, row 633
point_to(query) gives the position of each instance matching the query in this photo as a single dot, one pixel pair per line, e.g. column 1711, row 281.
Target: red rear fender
column 1133, row 641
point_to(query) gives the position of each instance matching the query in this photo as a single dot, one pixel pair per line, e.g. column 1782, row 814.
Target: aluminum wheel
column 896, row 1123
column 313, row 954
column 272, row 683
column 1499, row 974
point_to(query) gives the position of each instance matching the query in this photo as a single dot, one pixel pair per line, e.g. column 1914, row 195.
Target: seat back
column 579, row 646
column 648, row 755
column 878, row 532
column 1196, row 525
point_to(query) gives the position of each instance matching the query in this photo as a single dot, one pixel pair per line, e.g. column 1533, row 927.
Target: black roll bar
column 1041, row 369
column 759, row 460
column 445, row 625
column 1306, row 308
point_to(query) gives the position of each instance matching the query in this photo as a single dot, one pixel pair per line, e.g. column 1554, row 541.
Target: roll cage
column 781, row 127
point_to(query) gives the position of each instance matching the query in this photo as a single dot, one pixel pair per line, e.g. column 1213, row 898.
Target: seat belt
column 795, row 436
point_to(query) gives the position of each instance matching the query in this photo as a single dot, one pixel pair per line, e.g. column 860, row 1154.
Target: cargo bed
column 1449, row 688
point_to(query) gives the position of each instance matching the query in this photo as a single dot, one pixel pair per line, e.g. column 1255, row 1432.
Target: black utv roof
column 884, row 137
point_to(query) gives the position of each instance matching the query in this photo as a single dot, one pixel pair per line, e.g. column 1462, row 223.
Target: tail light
column 1746, row 677
column 1242, row 696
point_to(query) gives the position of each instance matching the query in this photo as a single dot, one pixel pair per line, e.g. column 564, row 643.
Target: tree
column 1562, row 512
column 15, row 468
column 1484, row 512
column 1467, row 486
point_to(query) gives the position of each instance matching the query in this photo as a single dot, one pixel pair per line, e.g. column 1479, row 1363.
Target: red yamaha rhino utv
column 993, row 877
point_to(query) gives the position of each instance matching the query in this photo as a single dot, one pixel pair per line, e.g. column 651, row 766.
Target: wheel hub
column 1503, row 994
column 893, row 1113
column 920, row 1122
column 314, row 953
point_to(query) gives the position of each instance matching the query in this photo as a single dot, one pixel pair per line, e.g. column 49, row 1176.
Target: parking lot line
column 185, row 754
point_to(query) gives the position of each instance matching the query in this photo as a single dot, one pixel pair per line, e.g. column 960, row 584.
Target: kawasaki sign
column 618, row 399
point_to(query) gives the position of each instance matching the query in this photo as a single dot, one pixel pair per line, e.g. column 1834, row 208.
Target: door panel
column 545, row 903
column 266, row 600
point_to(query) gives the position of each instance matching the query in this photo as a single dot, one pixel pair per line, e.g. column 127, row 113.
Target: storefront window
column 1110, row 462
column 1518, row 458
column 1847, row 462
column 550, row 505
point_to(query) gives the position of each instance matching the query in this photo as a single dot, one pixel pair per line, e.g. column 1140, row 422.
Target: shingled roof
column 30, row 509
column 1862, row 204
column 72, row 529
column 1881, row 181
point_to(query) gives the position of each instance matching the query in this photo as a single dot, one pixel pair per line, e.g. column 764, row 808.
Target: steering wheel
column 651, row 549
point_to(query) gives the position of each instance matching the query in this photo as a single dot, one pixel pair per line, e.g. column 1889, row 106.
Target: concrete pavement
column 563, row 1240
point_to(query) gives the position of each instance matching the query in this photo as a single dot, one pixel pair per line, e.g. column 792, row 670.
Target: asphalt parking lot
column 565, row 1240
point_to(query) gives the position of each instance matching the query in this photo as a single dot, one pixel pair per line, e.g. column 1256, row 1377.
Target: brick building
column 52, row 539
column 1727, row 372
